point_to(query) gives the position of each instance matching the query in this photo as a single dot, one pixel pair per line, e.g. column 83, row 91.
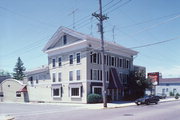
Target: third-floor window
column 59, row 61
column 54, row 62
column 78, row 57
column 71, row 59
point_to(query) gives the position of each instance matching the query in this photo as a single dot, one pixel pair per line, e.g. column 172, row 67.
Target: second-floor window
column 59, row 77
column 70, row 75
column 71, row 59
column 78, row 75
column 60, row 61
column 78, row 57
column 53, row 62
column 54, row 77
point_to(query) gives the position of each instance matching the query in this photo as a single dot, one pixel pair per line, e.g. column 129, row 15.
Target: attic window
column 64, row 39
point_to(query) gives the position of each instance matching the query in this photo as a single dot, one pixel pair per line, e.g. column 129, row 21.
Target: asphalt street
column 162, row 111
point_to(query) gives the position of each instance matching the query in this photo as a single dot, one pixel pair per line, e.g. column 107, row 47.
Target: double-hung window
column 78, row 74
column 71, row 59
column 54, row 77
column 70, row 75
column 78, row 57
column 60, row 61
column 59, row 77
column 53, row 62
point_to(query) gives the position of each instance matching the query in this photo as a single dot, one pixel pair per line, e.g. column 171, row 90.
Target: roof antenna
column 113, row 30
column 91, row 26
column 73, row 14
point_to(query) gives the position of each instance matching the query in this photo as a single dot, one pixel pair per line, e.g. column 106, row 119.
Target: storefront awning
column 56, row 85
column 75, row 84
column 23, row 89
column 114, row 81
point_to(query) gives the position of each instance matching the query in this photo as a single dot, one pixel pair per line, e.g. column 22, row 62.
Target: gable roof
column 63, row 30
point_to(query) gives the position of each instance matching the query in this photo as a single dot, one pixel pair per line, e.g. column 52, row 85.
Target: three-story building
column 74, row 67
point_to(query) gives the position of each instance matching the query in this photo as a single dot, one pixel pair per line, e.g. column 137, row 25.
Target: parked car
column 161, row 96
column 147, row 100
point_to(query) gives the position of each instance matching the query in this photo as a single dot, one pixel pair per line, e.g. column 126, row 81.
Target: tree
column 5, row 73
column 19, row 70
column 138, row 83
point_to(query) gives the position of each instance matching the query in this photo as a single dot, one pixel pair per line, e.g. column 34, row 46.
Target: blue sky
column 26, row 26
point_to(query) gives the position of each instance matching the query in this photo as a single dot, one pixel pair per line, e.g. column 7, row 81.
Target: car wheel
column 147, row 103
column 138, row 103
column 156, row 102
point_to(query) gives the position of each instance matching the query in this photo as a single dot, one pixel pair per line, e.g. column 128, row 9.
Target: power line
column 150, row 20
column 151, row 44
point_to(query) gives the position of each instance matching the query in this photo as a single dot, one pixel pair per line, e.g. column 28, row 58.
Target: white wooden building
column 74, row 69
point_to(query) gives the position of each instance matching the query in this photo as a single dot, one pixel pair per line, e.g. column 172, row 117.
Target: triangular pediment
column 57, row 40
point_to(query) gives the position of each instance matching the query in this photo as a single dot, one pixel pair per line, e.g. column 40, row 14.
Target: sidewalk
column 118, row 104
column 121, row 104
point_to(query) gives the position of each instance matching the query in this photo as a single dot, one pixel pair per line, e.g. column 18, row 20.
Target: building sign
column 154, row 76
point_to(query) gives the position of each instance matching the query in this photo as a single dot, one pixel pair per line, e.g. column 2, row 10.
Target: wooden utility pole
column 101, row 18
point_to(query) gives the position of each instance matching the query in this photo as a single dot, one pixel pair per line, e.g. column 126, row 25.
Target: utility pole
column 101, row 18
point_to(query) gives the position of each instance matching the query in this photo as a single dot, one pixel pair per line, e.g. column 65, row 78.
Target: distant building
column 167, row 85
column 74, row 69
column 14, row 91
column 2, row 78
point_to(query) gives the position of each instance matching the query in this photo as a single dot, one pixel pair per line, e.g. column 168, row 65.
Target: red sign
column 154, row 77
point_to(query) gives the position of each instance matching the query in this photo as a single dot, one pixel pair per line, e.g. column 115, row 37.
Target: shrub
column 94, row 98
column 171, row 94
column 177, row 95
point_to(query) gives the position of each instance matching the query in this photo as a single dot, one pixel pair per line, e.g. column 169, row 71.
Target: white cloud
column 172, row 71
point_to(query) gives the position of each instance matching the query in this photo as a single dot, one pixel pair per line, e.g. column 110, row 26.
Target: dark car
column 161, row 96
column 147, row 100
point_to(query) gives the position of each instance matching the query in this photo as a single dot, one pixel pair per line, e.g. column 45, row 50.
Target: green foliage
column 171, row 94
column 177, row 95
column 4, row 73
column 19, row 70
column 137, row 83
column 94, row 98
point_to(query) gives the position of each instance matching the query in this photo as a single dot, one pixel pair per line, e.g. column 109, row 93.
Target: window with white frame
column 105, row 59
column 75, row 92
column 78, row 57
column 107, row 75
column 53, row 62
column 64, row 40
column 97, row 90
column 120, row 63
column 71, row 59
column 94, row 58
column 60, row 61
column 54, row 77
column 37, row 80
column 127, row 63
column 59, row 77
column 95, row 74
column 18, row 94
column 56, row 92
column 113, row 61
column 78, row 74
column 70, row 75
